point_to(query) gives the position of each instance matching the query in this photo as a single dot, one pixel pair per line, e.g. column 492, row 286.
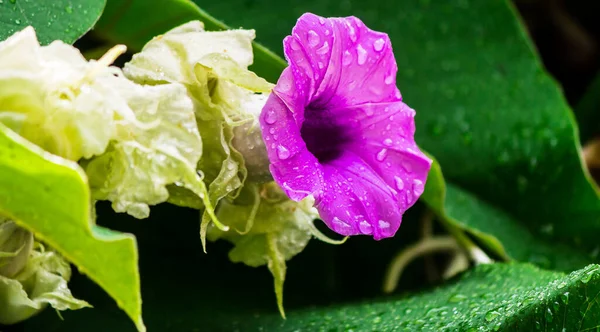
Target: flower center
column 323, row 137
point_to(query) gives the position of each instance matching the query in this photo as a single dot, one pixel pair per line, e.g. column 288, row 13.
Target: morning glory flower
column 335, row 127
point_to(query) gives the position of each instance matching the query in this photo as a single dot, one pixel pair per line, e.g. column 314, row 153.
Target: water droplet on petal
column 384, row 224
column 381, row 154
column 389, row 79
column 321, row 20
column 352, row 32
column 272, row 131
column 418, row 187
column 340, row 223
column 378, row 44
column 368, row 110
column 362, row 55
column 270, row 118
column 347, row 58
column 399, row 182
column 282, row 152
column 321, row 65
column 295, row 46
column 313, row 38
column 388, row 142
column 365, row 227
column 323, row 49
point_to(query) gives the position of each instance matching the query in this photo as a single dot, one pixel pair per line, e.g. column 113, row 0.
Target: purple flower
column 335, row 127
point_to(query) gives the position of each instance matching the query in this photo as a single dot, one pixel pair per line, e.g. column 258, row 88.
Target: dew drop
column 388, row 142
column 368, row 110
column 17, row 21
column 347, row 58
column 282, row 152
column 365, row 227
column 270, row 118
column 384, row 224
column 69, row 9
column 457, row 298
column 323, row 49
column 418, row 187
column 399, row 182
column 321, row 20
column 339, row 222
column 362, row 55
column 321, row 65
column 295, row 46
column 272, row 131
column 491, row 315
column 313, row 38
column 389, row 79
column 378, row 44
column 352, row 32
column 381, row 154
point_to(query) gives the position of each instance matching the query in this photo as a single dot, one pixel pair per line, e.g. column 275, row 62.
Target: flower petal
column 355, row 200
column 296, row 170
column 335, row 127
column 386, row 143
column 348, row 63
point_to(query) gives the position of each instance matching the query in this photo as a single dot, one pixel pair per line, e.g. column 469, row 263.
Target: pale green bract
column 213, row 68
column 267, row 229
column 31, row 277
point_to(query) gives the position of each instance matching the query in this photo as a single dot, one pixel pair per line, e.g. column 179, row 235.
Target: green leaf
column 65, row 20
column 135, row 22
column 486, row 109
column 507, row 297
column 500, row 232
column 49, row 196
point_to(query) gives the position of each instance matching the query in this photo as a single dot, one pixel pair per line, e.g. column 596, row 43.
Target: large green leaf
column 50, row 197
column 500, row 232
column 65, row 20
column 225, row 297
column 511, row 297
column 135, row 22
column 486, row 109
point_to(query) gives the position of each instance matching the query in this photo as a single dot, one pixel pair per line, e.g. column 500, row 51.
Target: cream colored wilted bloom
column 56, row 99
column 31, row 277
